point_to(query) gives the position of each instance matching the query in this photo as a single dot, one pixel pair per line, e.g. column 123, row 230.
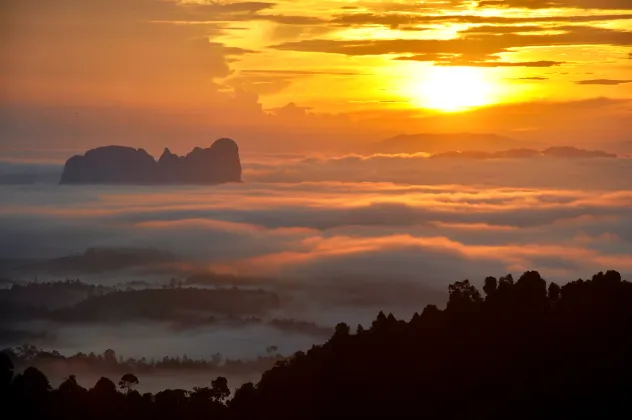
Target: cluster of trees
column 30, row 395
column 521, row 350
column 108, row 362
column 35, row 287
column 52, row 294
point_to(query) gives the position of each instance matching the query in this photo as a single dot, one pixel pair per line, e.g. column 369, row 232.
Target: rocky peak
column 217, row 164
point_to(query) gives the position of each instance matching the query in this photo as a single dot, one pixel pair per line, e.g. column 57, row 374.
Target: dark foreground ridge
column 523, row 351
column 125, row 165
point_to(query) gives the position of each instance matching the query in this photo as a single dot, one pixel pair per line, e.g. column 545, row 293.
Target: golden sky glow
column 370, row 61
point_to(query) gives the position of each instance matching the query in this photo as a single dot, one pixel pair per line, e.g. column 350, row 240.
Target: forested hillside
column 518, row 350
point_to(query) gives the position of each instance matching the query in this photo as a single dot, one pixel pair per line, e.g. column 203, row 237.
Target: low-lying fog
column 156, row 340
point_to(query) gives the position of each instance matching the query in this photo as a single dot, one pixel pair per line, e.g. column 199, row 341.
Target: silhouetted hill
column 435, row 143
column 99, row 260
column 168, row 305
column 573, row 152
column 125, row 165
column 524, row 351
column 47, row 295
column 74, row 301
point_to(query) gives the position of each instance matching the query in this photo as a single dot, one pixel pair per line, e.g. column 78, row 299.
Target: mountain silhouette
column 444, row 142
column 217, row 164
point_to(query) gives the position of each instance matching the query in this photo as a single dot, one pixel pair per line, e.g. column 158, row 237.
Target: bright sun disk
column 452, row 89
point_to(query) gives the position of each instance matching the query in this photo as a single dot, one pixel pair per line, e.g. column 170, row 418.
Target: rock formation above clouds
column 217, row 164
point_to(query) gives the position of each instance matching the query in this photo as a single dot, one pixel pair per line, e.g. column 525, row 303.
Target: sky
column 311, row 75
column 348, row 204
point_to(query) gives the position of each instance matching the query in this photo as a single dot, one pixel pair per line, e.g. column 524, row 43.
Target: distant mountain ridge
column 562, row 152
column 217, row 164
column 477, row 146
column 440, row 142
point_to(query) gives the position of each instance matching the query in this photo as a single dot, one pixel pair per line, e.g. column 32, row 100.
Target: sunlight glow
column 453, row 89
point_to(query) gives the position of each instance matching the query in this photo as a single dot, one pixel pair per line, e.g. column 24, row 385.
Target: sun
column 453, row 89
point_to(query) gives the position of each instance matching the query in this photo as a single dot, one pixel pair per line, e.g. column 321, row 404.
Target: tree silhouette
column 127, row 382
column 104, row 388
column 243, row 394
column 70, row 388
column 342, row 329
column 202, row 394
column 505, row 283
column 171, row 400
column 554, row 293
column 490, row 287
column 221, row 391
column 380, row 322
column 532, row 286
column 109, row 356
column 31, row 383
column 463, row 296
column 6, row 370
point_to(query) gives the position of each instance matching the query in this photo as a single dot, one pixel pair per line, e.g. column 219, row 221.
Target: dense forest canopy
column 520, row 349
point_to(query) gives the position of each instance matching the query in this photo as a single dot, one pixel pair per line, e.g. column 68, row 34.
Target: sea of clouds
column 343, row 236
column 402, row 217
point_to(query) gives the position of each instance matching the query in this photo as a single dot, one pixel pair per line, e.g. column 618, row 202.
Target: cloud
column 30, row 170
column 529, row 4
column 396, row 19
column 267, row 82
column 248, row 6
column 473, row 47
column 438, row 224
column 301, row 72
column 504, row 29
column 603, row 82
column 461, row 62
column 291, row 20
column 548, row 4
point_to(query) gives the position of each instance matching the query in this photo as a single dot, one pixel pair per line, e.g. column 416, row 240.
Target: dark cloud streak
column 603, row 82
column 550, row 4
column 396, row 19
column 476, row 47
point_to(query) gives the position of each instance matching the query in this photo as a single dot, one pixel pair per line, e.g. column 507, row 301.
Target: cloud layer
column 430, row 232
